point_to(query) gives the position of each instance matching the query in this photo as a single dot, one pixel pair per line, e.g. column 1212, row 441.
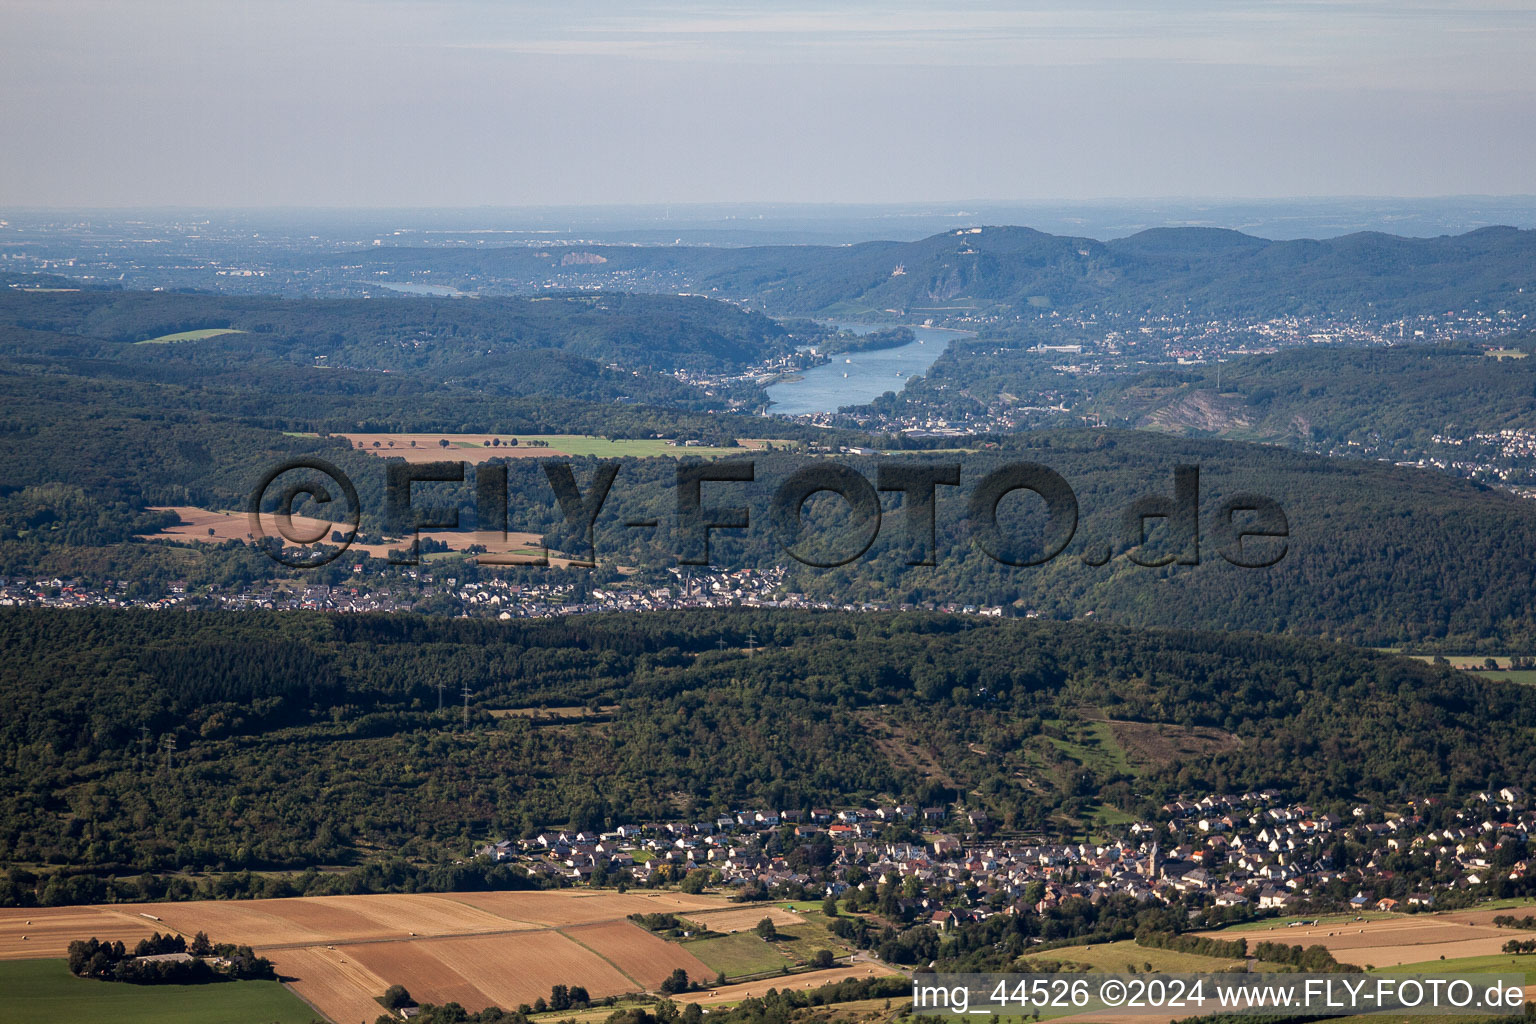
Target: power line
column 466, row 704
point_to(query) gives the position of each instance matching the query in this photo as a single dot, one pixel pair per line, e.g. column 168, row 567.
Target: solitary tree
column 396, row 997
column 766, row 929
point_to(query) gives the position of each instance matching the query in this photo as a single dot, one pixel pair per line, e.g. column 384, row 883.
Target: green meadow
column 200, row 335
column 44, row 992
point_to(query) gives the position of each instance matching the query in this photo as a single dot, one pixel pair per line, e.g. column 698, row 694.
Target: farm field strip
column 1387, row 942
column 501, row 970
column 647, row 959
column 210, row 526
column 473, row 448
column 35, row 933
column 564, row 908
column 335, row 986
column 744, row 919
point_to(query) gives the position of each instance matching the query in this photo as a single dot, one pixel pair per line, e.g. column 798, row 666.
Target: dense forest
column 653, row 332
column 1399, row 396
column 158, row 743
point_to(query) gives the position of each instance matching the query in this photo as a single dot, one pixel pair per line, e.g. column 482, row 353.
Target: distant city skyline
column 456, row 103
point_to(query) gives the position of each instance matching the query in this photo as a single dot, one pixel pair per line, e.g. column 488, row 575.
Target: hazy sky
column 467, row 102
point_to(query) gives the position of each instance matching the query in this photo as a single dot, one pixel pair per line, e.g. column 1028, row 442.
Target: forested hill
column 1376, row 554
column 301, row 739
column 1165, row 270
column 447, row 338
column 1400, row 396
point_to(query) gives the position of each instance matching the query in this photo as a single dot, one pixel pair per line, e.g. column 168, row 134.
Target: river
column 854, row 378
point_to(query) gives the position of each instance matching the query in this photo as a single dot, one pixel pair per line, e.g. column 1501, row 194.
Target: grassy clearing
column 738, row 954
column 1108, row 815
column 1525, row 966
column 801, row 942
column 1094, row 747
column 1522, row 676
column 201, row 335
column 44, row 992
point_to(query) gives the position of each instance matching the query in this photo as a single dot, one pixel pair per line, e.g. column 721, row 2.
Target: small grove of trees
column 1192, row 944
column 675, row 982
column 111, row 961
column 395, row 997
column 656, row 922
column 1316, row 959
column 572, row 997
column 1516, row 946
column 1528, row 922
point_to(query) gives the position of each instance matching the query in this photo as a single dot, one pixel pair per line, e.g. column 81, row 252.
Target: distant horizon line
column 768, row 204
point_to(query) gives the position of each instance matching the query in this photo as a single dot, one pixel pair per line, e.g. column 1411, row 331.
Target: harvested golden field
column 1394, row 940
column 744, row 919
column 206, row 526
column 647, row 959
column 339, row 952
column 562, row 907
column 499, row 970
column 304, row 921
column 331, row 982
column 37, row 933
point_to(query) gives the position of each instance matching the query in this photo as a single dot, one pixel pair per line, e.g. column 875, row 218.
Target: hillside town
column 945, row 866
column 378, row 589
